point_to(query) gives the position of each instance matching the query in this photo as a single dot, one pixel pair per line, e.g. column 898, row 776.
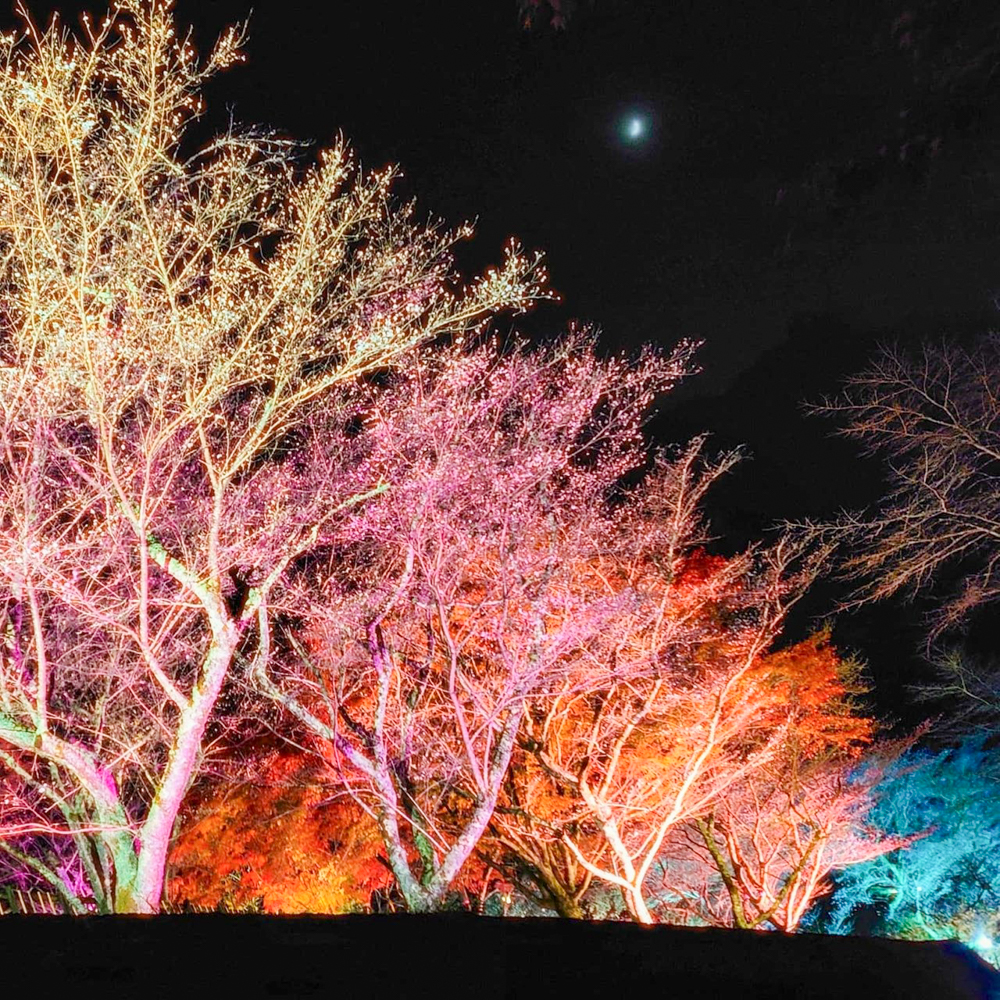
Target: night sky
column 709, row 227
column 795, row 196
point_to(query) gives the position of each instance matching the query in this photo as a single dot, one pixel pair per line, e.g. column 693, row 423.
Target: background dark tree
column 933, row 417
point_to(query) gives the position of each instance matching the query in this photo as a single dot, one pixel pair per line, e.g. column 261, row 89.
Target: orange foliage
column 804, row 696
column 776, row 834
column 818, row 691
column 277, row 840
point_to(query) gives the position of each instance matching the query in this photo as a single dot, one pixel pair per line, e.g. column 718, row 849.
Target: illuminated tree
column 678, row 712
column 167, row 327
column 773, row 839
column 947, row 884
column 935, row 418
column 465, row 590
column 657, row 538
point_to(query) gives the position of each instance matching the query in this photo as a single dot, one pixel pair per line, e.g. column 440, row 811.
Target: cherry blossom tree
column 465, row 590
column 658, row 534
column 167, row 327
column 684, row 715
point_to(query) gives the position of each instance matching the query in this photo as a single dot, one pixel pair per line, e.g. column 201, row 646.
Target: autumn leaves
column 263, row 467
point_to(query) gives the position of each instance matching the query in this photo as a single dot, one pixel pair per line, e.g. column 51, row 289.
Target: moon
column 632, row 128
column 635, row 128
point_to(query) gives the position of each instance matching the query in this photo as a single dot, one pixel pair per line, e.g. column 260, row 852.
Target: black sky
column 713, row 230
column 785, row 210
column 684, row 237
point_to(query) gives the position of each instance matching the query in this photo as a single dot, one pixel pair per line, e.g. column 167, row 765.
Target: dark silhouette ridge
column 445, row 955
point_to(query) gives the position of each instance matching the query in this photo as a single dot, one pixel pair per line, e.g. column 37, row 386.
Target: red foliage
column 280, row 842
column 764, row 850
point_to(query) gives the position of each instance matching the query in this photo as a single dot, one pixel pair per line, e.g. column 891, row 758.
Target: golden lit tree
column 167, row 325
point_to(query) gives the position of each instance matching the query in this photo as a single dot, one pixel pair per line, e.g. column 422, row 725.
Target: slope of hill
column 455, row 955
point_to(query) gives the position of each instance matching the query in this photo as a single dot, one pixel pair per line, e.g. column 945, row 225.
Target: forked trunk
column 565, row 903
column 144, row 891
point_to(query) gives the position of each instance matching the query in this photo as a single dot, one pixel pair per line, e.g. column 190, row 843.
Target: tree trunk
column 125, row 871
column 409, row 886
column 547, row 883
column 637, row 906
column 144, row 893
column 564, row 903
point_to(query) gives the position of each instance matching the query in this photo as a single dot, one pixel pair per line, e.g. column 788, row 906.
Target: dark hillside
column 196, row 956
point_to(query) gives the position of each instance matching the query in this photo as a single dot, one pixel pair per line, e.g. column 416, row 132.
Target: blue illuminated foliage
column 946, row 884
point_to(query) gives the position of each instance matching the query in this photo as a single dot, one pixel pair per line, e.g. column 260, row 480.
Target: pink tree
column 166, row 326
column 773, row 841
column 680, row 716
column 461, row 594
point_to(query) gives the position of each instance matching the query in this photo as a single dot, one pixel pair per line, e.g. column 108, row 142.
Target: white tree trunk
column 153, row 841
